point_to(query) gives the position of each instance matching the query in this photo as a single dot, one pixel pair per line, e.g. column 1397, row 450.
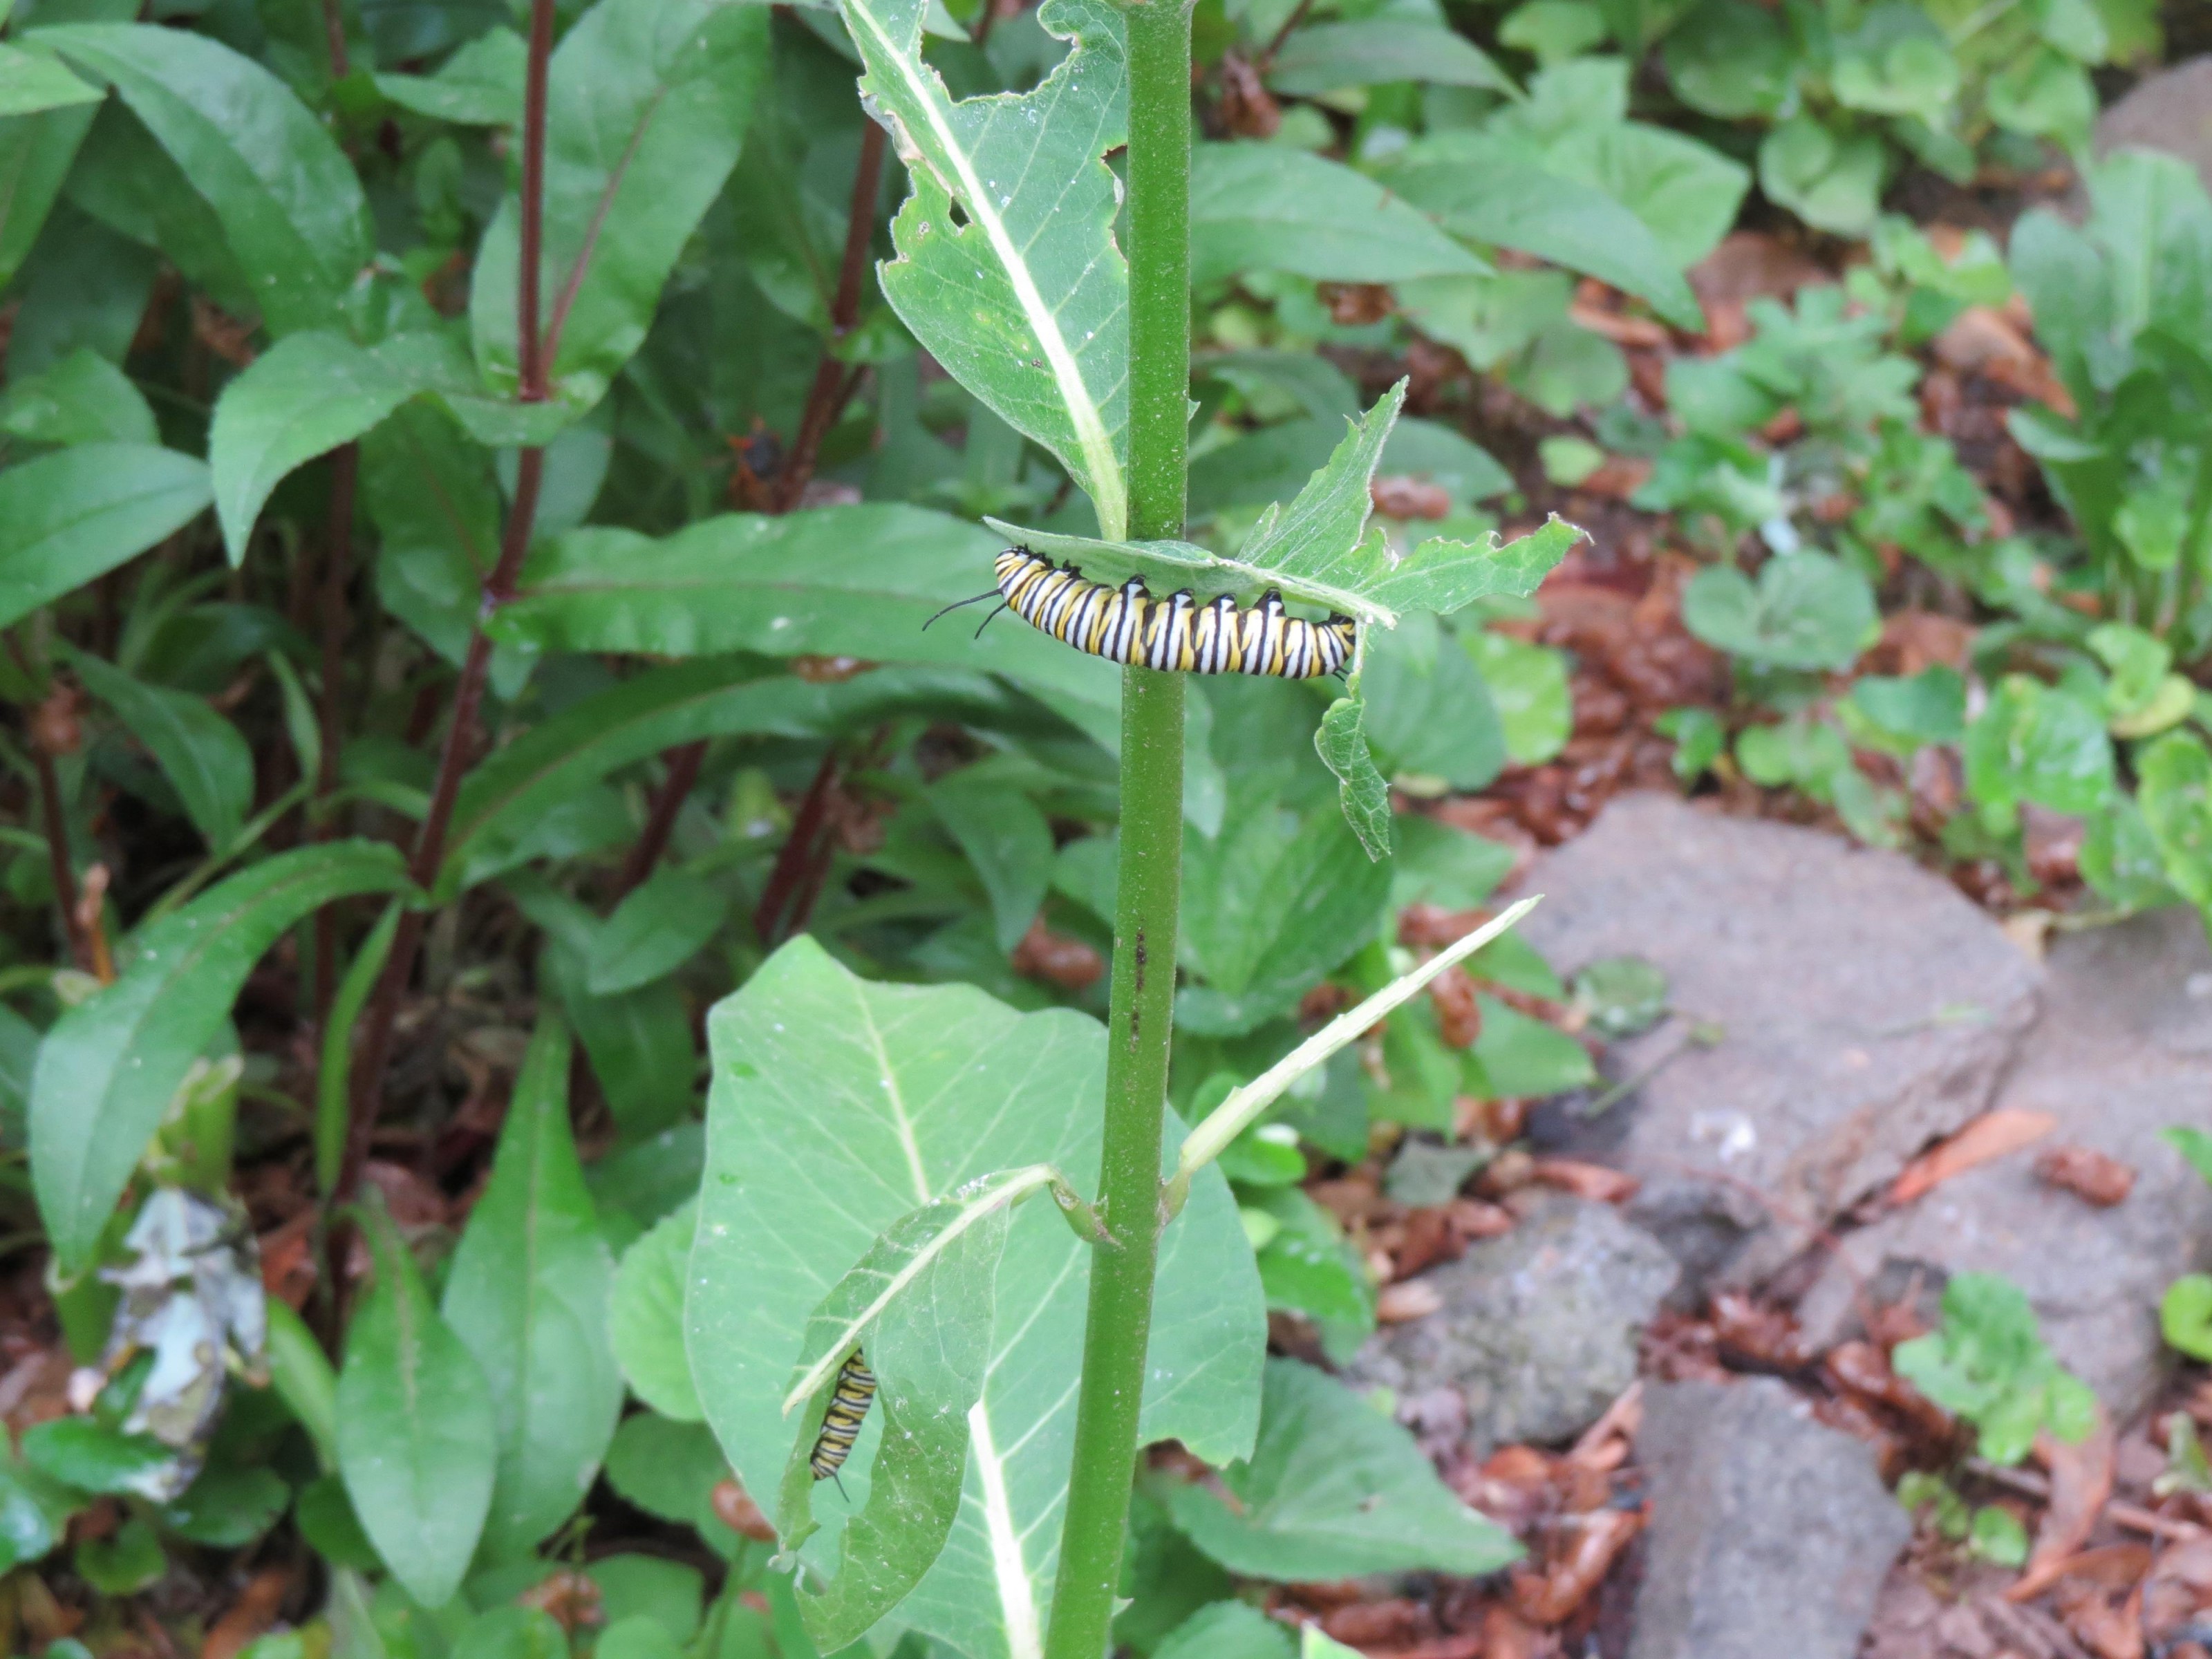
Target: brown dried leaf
column 1591, row 1181
column 1399, row 497
column 2088, row 1174
column 1459, row 1016
column 1407, row 1300
column 1994, row 1134
column 572, row 1598
column 1595, row 1542
column 1057, row 959
column 2080, row 1486
column 255, row 1611
column 734, row 1508
column 1248, row 109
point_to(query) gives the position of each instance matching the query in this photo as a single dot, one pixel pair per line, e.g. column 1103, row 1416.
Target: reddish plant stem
column 464, row 727
column 1267, row 58
column 337, row 571
column 794, row 860
column 50, row 804
column 334, row 33
column 833, row 388
column 682, row 763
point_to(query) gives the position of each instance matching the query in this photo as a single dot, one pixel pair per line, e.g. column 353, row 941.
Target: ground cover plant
column 596, row 1058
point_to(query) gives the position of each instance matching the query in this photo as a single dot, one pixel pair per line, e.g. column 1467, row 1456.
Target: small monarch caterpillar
column 840, row 1427
column 1127, row 624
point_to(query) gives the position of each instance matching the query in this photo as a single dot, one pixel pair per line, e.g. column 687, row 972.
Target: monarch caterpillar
column 840, row 1427
column 1128, row 625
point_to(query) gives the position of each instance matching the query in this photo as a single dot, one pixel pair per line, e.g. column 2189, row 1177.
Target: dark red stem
column 334, row 33
column 464, row 727
column 794, row 861
column 682, row 763
column 826, row 398
column 50, row 803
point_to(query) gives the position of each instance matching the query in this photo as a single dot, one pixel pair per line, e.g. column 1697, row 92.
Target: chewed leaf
column 919, row 1306
column 1007, row 270
column 1318, row 548
column 904, row 1261
column 1342, row 742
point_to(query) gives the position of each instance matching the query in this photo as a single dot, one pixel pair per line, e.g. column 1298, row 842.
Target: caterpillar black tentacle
column 1127, row 624
column 841, row 1426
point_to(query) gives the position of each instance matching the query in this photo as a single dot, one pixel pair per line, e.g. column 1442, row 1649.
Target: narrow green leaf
column 639, row 1041
column 110, row 1067
column 335, row 1074
column 1499, row 192
column 1264, row 207
column 416, row 1434
column 31, row 82
column 853, row 581
column 647, row 107
column 528, row 1294
column 200, row 752
column 839, row 1106
column 645, row 1318
column 1373, row 51
column 67, row 518
column 1027, row 301
column 654, row 931
column 1334, row 1489
column 480, row 85
column 1227, row 1629
column 308, row 393
column 919, row 1303
column 289, row 200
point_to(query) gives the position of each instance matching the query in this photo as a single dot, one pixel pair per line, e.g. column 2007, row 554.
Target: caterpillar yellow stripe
column 1127, row 624
column 848, row 1409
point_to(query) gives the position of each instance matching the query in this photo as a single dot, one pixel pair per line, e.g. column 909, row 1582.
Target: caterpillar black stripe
column 1127, row 624
column 848, row 1409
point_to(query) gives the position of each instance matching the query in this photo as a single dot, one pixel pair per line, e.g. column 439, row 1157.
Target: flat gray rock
column 1771, row 1534
column 1868, row 1009
column 1538, row 1329
column 2170, row 110
column 2124, row 1050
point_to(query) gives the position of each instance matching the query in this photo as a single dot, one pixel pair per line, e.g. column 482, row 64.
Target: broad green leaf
column 1730, row 59
column 670, row 1468
column 228, row 1506
column 1334, row 1489
column 82, row 399
column 1428, row 708
column 34, row 1512
column 1324, row 57
column 638, row 1637
column 67, row 518
column 1524, row 1057
column 110, row 1067
column 511, row 1632
column 31, row 82
column 200, row 752
column 288, row 198
column 480, row 85
column 2175, row 777
column 436, row 507
column 634, row 1588
column 308, row 393
column 1687, row 192
column 839, row 1106
column 853, row 581
column 1270, row 905
column 1026, row 303
column 654, row 931
column 2193, row 1145
column 1832, row 180
column 645, row 1318
column 918, row 1305
column 1266, row 207
column 89, row 1455
column 416, row 1438
column 126, row 1561
column 1499, row 191
column 1226, row 1630
column 1007, row 841
column 1315, row 1643
column 1808, row 610
column 127, row 181
column 1530, row 688
column 528, row 1294
column 646, row 105
column 2032, row 742
column 35, row 153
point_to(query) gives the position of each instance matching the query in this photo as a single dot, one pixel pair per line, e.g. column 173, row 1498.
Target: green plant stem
column 1149, row 869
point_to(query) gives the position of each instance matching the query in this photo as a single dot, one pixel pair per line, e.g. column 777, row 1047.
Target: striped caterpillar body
column 1126, row 624
column 848, row 1409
